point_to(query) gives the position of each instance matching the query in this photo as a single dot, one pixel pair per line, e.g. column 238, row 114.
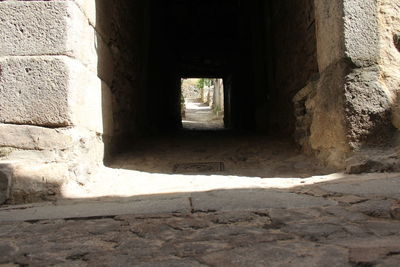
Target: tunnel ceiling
column 201, row 36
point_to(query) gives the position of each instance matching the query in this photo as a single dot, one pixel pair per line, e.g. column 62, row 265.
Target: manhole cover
column 199, row 167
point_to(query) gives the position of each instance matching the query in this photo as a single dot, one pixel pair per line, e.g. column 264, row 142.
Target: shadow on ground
column 348, row 221
column 240, row 153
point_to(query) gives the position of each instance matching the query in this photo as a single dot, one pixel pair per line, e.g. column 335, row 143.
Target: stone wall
column 73, row 75
column 55, row 73
column 294, row 57
column 389, row 23
column 129, row 45
column 347, row 115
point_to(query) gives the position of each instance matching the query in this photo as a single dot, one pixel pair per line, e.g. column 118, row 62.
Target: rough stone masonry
column 66, row 97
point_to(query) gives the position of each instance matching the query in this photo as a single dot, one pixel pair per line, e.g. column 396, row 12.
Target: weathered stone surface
column 315, row 231
column 304, row 104
column 383, row 228
column 386, row 187
column 43, row 28
column 342, row 213
column 366, row 256
column 367, row 108
column 91, row 232
column 281, row 254
column 34, row 27
column 33, row 182
column 282, row 216
column 329, row 19
column 395, row 210
column 391, row 260
column 135, row 205
column 364, row 114
column 33, row 137
column 374, row 208
column 353, row 32
column 329, row 142
column 95, row 54
column 96, row 11
column 90, row 100
column 245, row 199
column 389, row 32
column 35, row 90
column 4, row 186
column 53, row 92
column 361, row 31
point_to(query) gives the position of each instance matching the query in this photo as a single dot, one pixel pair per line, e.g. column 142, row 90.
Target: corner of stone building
column 373, row 92
column 320, row 126
column 353, row 121
column 55, row 113
column 38, row 162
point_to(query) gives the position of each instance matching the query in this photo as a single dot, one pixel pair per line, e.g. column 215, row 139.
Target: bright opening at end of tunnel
column 202, row 103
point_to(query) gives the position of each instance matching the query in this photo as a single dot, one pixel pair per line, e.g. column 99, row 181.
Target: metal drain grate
column 199, row 167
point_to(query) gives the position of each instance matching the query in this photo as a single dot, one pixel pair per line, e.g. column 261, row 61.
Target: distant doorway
column 202, row 103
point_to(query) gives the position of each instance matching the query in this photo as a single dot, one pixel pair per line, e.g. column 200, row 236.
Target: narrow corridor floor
column 199, row 116
column 242, row 154
column 238, row 160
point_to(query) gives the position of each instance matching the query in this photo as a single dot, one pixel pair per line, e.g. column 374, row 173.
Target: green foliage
column 203, row 82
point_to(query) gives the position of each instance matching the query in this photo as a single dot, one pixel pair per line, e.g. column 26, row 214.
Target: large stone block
column 330, row 36
column 347, row 28
column 34, row 138
column 35, row 91
column 36, row 181
column 53, row 92
column 36, row 28
column 361, row 31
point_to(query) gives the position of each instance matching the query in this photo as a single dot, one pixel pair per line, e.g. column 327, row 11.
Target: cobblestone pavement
column 279, row 237
column 353, row 224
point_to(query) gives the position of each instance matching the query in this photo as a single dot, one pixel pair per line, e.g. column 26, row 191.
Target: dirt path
column 242, row 154
column 190, row 161
column 199, row 116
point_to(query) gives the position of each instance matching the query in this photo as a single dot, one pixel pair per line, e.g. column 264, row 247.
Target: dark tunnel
column 265, row 51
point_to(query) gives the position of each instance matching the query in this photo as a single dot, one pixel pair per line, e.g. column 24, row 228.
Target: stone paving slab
column 270, row 237
column 354, row 192
column 94, row 209
column 389, row 187
column 309, row 226
column 219, row 200
column 248, row 199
